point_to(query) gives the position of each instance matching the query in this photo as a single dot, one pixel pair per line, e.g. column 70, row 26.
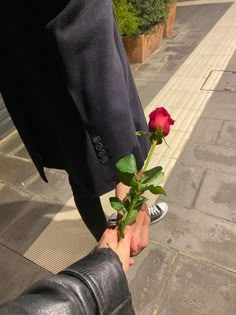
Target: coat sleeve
column 94, row 285
column 97, row 74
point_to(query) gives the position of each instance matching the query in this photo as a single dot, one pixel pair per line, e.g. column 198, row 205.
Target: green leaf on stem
column 128, row 179
column 150, row 187
column 157, row 190
column 153, row 176
column 126, row 171
column 132, row 216
column 127, row 164
column 117, row 204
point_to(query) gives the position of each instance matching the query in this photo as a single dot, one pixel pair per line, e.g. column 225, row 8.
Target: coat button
column 104, row 160
column 99, row 146
column 102, row 153
column 96, row 139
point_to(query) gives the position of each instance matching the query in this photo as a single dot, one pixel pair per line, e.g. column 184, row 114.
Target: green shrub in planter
column 150, row 12
column 136, row 17
column 126, row 17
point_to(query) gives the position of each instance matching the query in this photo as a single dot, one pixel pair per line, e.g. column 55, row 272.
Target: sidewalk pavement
column 189, row 266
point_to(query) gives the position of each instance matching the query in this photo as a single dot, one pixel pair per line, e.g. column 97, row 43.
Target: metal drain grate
column 220, row 81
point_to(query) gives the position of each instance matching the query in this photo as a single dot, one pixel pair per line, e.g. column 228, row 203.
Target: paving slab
column 153, row 72
column 57, row 189
column 15, row 170
column 14, row 282
column 209, row 156
column 147, row 90
column 12, row 202
column 207, row 130
column 184, row 185
column 65, row 240
column 221, row 107
column 13, row 145
column 227, row 135
column 217, row 196
column 29, row 224
column 202, row 17
column 149, row 276
column 23, row 153
column 225, row 98
column 198, row 234
column 199, row 288
column 10, row 143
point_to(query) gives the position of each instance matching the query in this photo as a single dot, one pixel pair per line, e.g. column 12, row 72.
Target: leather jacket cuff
column 102, row 272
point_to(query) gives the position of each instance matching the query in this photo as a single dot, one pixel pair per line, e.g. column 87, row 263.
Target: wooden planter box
column 139, row 49
column 169, row 25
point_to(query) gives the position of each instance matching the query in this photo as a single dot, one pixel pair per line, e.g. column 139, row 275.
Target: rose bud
column 160, row 117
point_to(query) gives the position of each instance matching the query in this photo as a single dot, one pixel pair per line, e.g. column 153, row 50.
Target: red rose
column 160, row 117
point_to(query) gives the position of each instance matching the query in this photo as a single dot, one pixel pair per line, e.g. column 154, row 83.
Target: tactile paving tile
column 65, row 240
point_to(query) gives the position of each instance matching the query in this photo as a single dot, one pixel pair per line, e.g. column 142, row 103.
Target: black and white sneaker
column 157, row 211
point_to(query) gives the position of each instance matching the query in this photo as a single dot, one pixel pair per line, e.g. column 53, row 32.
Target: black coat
column 94, row 285
column 67, row 85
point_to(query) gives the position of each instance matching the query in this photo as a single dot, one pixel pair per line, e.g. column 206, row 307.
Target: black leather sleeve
column 94, row 285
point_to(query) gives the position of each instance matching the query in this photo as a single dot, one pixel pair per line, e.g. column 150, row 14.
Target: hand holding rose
column 159, row 128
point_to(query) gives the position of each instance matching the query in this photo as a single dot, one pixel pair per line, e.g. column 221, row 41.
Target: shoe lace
column 153, row 210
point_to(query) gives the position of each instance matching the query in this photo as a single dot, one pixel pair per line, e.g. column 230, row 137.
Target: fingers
column 133, row 244
column 135, row 240
column 123, row 249
column 145, row 230
column 141, row 232
column 144, row 207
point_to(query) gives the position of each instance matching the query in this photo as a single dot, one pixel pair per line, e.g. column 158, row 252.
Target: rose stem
column 150, row 154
